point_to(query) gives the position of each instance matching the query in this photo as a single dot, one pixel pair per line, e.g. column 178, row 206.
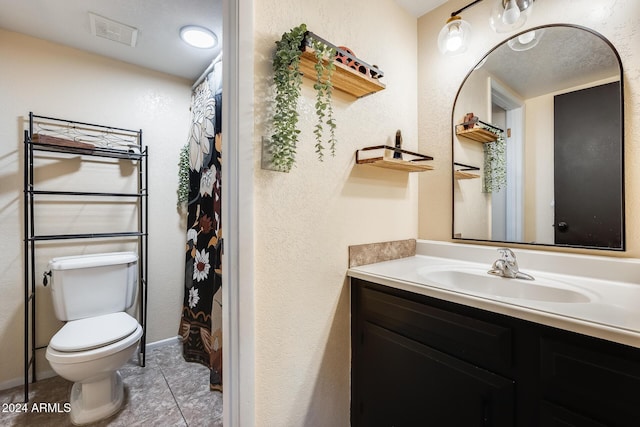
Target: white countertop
column 613, row 283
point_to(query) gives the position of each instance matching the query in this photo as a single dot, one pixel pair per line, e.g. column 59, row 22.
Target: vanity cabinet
column 589, row 380
column 417, row 360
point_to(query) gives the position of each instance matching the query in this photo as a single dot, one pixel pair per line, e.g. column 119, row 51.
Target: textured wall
column 473, row 206
column 440, row 78
column 53, row 80
column 306, row 219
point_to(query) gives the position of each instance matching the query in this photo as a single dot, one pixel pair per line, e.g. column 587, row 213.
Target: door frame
column 515, row 110
column 237, row 214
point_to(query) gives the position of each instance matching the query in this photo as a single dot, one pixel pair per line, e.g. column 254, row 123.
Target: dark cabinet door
column 556, row 416
column 598, row 380
column 400, row 382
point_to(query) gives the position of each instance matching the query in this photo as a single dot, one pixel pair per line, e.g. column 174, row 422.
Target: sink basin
column 479, row 282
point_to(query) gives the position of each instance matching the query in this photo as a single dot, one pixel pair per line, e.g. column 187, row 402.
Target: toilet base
column 96, row 399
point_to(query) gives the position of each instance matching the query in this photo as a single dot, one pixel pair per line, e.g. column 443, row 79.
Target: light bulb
column 454, row 39
column 511, row 13
column 526, row 41
column 527, row 37
column 454, row 36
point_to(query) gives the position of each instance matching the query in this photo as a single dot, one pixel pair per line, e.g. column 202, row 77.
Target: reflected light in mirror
column 526, row 41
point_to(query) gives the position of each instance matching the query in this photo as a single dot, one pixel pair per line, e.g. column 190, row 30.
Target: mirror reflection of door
column 588, row 167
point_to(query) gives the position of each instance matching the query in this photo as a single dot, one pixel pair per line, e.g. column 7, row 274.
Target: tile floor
column 167, row 392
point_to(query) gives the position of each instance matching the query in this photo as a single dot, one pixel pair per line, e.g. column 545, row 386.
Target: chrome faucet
column 507, row 266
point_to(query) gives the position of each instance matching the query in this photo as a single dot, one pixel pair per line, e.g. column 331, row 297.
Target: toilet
column 91, row 293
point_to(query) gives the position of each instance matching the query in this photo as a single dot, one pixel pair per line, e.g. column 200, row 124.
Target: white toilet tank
column 92, row 285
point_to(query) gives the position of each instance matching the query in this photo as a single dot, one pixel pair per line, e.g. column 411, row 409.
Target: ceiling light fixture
column 453, row 38
column 509, row 15
column 199, row 37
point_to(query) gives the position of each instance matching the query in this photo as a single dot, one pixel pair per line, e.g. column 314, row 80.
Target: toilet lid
column 93, row 332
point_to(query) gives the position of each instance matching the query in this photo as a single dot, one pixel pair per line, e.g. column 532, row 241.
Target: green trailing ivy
column 183, row 176
column 495, row 162
column 288, row 80
column 324, row 90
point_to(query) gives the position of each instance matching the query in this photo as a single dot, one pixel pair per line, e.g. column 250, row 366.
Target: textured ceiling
column 159, row 48
column 158, row 21
column 565, row 57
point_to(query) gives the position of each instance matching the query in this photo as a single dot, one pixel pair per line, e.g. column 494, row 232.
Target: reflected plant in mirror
column 558, row 98
column 495, row 162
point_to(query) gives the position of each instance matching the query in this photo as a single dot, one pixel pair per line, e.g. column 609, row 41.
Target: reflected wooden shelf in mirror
column 477, row 134
column 465, row 175
column 467, row 171
column 383, row 156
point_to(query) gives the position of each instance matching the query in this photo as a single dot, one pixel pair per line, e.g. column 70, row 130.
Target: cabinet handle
column 486, row 413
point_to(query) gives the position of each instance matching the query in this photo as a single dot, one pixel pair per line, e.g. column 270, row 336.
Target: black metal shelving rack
column 138, row 154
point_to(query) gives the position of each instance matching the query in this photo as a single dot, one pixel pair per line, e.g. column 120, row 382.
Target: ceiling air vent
column 112, row 30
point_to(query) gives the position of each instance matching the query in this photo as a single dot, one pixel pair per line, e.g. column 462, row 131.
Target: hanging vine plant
column 495, row 167
column 324, row 90
column 288, row 80
column 183, row 176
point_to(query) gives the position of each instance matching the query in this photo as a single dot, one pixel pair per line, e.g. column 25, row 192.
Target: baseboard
column 162, row 343
column 5, row 385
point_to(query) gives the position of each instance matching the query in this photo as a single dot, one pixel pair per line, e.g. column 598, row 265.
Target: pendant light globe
column 453, row 38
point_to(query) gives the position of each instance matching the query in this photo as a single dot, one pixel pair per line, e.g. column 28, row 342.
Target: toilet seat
column 93, row 332
column 93, row 338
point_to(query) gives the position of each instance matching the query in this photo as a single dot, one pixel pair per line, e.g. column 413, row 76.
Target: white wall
column 539, row 170
column 57, row 81
column 440, row 77
column 305, row 219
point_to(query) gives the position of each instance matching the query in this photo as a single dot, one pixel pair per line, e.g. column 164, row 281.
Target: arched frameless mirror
column 538, row 142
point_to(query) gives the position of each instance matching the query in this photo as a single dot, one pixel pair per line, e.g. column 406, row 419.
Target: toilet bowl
column 91, row 293
column 98, row 390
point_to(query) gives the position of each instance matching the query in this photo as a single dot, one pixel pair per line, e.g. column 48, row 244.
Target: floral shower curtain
column 201, row 322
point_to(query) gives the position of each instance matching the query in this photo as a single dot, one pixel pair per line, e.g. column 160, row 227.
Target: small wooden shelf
column 467, row 171
column 344, row 78
column 477, row 134
column 465, row 175
column 414, row 164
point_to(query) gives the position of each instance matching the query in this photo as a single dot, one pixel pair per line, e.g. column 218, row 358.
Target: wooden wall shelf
column 478, row 134
column 467, row 171
column 401, row 165
column 414, row 164
column 465, row 175
column 344, row 78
